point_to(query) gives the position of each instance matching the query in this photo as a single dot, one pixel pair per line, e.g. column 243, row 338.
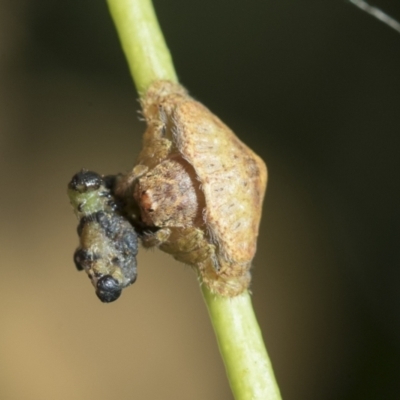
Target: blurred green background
column 314, row 88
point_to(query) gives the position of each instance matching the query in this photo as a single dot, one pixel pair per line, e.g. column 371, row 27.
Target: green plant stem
column 142, row 41
column 242, row 348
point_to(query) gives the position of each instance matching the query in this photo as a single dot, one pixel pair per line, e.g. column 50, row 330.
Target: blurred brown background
column 314, row 88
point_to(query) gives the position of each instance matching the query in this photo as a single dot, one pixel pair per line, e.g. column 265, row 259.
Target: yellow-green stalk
column 239, row 338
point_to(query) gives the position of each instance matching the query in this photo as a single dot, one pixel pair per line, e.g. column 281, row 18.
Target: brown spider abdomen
column 201, row 186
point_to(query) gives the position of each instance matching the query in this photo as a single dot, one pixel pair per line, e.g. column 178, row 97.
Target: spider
column 197, row 188
column 196, row 192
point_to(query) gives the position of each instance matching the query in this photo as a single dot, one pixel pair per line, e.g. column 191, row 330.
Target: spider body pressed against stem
column 199, row 187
